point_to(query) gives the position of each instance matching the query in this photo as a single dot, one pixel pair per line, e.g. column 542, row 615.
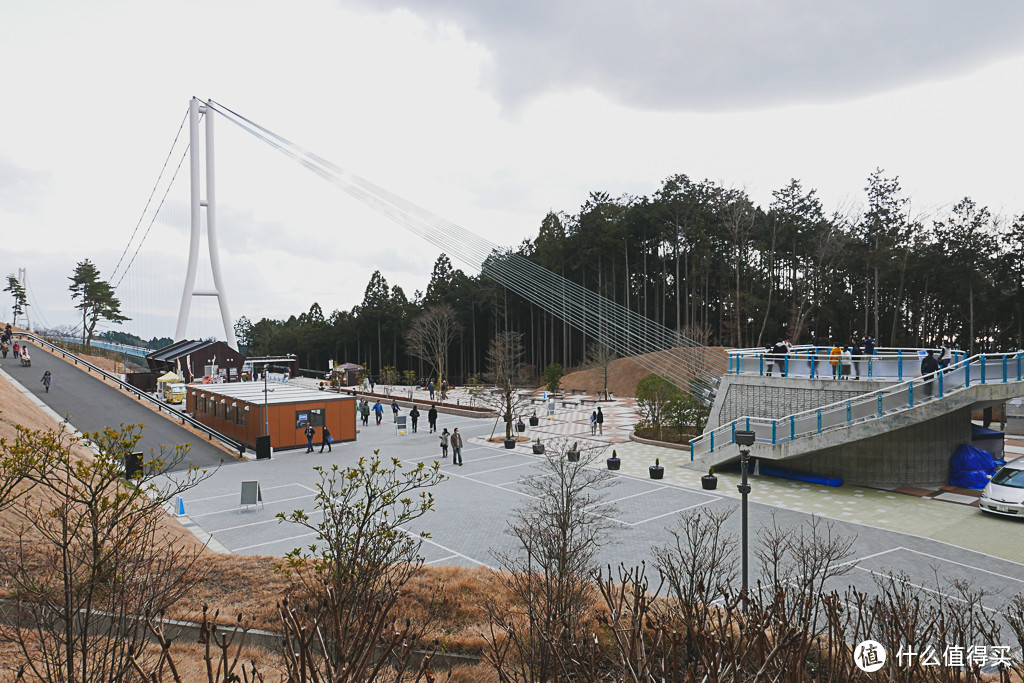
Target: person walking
column 600, row 422
column 593, row 423
column 325, row 439
column 929, row 366
column 415, row 415
column 17, row 349
column 779, row 351
column 394, row 409
column 432, row 418
column 372, row 384
column 430, row 388
column 857, row 351
column 445, row 436
column 378, row 410
column 3, row 348
column 47, row 378
column 456, row 448
column 310, row 433
column 945, row 356
column 834, row 358
column 364, row 410
column 869, row 346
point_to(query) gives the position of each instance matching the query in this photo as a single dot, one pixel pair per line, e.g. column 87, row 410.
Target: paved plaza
column 924, row 537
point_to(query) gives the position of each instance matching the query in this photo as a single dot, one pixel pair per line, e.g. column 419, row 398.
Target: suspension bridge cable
column 156, row 213
column 152, row 192
column 618, row 327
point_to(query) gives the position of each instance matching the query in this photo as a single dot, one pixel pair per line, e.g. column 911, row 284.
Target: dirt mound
column 624, row 373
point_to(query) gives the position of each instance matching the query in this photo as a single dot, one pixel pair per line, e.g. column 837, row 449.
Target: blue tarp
column 971, row 467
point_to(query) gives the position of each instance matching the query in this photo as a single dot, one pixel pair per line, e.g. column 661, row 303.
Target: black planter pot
column 613, row 463
column 538, row 449
column 709, row 482
column 521, row 427
column 534, row 421
column 573, row 456
column 510, row 443
column 657, row 471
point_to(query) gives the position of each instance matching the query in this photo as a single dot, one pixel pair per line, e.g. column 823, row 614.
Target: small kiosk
column 243, row 411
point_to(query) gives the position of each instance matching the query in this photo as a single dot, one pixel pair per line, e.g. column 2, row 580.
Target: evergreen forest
column 703, row 259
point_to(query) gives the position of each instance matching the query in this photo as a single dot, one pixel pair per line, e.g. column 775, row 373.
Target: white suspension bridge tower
column 196, row 108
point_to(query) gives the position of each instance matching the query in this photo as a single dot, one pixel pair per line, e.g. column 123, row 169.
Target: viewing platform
column 894, row 427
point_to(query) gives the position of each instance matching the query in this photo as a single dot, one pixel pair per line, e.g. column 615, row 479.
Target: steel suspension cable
column 618, row 327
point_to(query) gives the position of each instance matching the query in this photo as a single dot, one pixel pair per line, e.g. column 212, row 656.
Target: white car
column 1004, row 494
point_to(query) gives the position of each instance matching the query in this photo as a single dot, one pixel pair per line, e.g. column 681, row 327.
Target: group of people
column 364, row 408
column 7, row 344
column 453, row 439
column 597, row 422
column 325, row 438
column 846, row 361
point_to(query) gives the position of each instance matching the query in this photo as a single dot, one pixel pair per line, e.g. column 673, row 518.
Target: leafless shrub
column 91, row 556
column 549, row 574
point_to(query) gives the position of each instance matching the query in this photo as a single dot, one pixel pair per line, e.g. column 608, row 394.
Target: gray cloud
column 21, row 189
column 710, row 55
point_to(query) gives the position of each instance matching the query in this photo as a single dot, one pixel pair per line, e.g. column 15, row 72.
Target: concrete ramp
column 900, row 435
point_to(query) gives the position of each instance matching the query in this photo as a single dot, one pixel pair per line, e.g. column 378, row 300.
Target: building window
column 314, row 416
column 229, row 412
column 243, row 417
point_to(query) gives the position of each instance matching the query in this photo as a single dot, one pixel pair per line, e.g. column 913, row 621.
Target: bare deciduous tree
column 505, row 367
column 430, row 337
column 599, row 358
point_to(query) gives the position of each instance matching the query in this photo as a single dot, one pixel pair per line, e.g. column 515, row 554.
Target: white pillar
column 197, row 204
column 196, row 218
column 211, row 236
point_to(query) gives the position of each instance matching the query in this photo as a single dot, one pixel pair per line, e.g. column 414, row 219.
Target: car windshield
column 1008, row 476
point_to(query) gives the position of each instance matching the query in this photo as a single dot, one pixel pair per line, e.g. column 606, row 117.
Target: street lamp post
column 744, row 439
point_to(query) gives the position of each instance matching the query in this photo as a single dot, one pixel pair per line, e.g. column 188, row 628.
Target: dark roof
column 180, row 349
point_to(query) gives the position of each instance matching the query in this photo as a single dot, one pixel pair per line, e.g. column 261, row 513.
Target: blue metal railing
column 991, row 368
column 815, row 362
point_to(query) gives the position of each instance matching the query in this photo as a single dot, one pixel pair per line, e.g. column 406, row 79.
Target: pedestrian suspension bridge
column 141, row 282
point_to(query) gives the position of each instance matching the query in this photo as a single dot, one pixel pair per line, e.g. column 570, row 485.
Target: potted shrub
column 538, row 447
column 574, row 452
column 520, row 425
column 709, row 482
column 534, row 420
column 656, row 470
column 614, row 461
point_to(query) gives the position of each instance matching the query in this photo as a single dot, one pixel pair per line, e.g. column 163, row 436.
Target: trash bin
column 263, row 448
column 133, row 465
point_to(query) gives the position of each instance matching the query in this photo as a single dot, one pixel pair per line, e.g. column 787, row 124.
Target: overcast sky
column 487, row 113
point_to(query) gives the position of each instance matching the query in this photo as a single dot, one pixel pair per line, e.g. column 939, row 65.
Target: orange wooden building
column 240, row 411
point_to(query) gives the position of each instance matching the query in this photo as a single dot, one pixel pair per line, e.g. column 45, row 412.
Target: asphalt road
column 90, row 404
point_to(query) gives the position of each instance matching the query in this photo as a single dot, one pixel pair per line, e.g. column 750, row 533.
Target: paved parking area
column 475, row 502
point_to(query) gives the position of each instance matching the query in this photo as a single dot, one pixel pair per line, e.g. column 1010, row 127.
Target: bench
column 566, row 404
column 537, row 400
